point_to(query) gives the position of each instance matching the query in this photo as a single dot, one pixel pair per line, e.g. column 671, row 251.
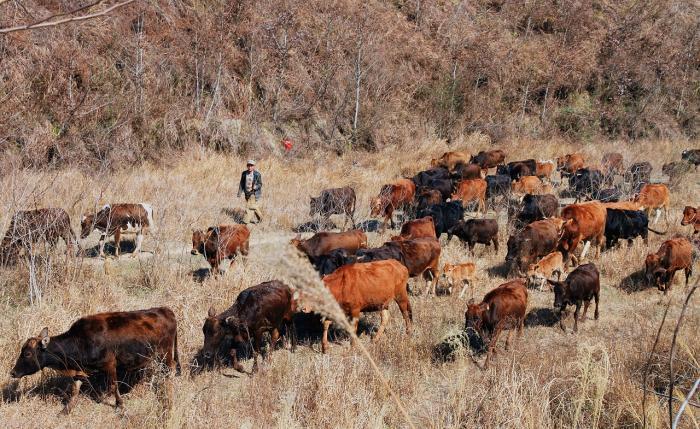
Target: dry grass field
column 548, row 379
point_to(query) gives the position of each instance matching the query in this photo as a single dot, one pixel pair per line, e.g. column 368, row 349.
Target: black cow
column 626, row 225
column 387, row 251
column 518, row 169
column 536, row 207
column 444, row 186
column 445, row 215
column 326, row 264
column 497, row 185
column 266, row 307
column 472, row 231
column 335, row 201
column 424, row 177
column 609, row 195
column 582, row 285
column 692, row 156
column 586, row 183
column 465, row 172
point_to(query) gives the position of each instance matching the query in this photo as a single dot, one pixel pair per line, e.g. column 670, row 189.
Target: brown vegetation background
column 238, row 76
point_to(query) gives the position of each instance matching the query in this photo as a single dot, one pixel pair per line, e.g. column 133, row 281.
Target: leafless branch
column 50, row 22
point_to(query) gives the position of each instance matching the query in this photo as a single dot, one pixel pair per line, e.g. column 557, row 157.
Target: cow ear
column 553, row 282
column 212, row 312
column 44, row 335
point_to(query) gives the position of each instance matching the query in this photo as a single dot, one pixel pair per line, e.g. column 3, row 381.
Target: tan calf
column 537, row 274
column 459, row 273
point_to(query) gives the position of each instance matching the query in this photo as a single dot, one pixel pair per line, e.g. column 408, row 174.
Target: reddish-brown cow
column 450, row 160
column 691, row 216
column 654, row 196
column 569, row 164
column 544, row 169
column 674, row 255
column 582, row 222
column 365, row 287
column 418, row 228
column 530, row 185
column 323, row 243
column 503, row 308
column 400, row 194
column 219, row 243
column 471, row 190
column 31, row 226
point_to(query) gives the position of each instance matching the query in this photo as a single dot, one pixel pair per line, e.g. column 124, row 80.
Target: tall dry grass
column 547, row 380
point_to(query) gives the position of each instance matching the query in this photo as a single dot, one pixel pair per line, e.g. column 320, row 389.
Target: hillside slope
column 240, row 75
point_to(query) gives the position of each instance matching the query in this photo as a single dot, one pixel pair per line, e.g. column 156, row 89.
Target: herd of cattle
column 541, row 247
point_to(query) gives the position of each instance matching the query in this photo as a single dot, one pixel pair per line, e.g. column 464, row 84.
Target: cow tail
column 354, row 205
column 178, row 368
column 657, row 232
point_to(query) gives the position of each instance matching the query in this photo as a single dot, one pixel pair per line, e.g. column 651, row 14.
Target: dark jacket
column 257, row 185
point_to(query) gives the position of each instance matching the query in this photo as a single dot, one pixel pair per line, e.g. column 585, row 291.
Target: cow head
column 475, row 315
column 561, row 293
column 216, row 331
column 533, row 275
column 690, row 215
column 315, row 206
column 296, row 242
column 378, row 205
column 32, row 358
column 447, row 273
column 198, row 239
column 87, row 224
column 653, row 271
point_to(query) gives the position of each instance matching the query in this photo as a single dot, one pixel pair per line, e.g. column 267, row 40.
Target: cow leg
column 257, row 347
column 274, row 338
column 495, row 244
column 117, row 240
column 324, row 339
column 658, row 215
column 430, row 280
column 234, row 361
column 562, row 314
column 385, row 316
column 585, row 249
column 578, row 308
column 585, row 310
column 102, row 245
column 75, row 390
column 111, row 372
column 406, row 313
column 465, row 285
column 688, row 273
column 471, row 247
column 510, row 332
column 597, row 301
column 139, row 240
column 492, row 347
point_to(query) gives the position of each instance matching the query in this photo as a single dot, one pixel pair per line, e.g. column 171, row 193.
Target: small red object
column 287, row 144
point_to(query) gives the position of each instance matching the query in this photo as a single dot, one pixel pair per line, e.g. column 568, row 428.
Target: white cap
column 251, row 162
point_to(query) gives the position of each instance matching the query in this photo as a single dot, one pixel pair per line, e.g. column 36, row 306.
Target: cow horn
column 44, row 335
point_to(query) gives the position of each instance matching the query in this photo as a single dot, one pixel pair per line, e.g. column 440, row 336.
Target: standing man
column 251, row 187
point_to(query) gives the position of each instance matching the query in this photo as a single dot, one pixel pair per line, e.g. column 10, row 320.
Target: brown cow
column 459, row 273
column 582, row 222
column 29, row 227
column 115, row 219
column 334, row 201
column 536, row 240
column 323, row 243
column 611, row 164
column 264, row 308
column 219, row 243
column 545, row 268
column 489, row 159
column 503, row 308
column 450, row 160
column 418, row 228
column 471, row 190
column 569, row 164
column 691, row 216
column 530, row 185
column 370, row 286
column 544, row 169
column 426, row 197
column 399, row 194
column 102, row 343
column 674, row 255
column 654, row 196
column 582, row 285
column 422, row 257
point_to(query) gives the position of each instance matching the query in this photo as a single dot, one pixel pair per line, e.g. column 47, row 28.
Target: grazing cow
column 537, row 239
column 570, row 163
column 444, row 186
column 675, row 171
column 450, row 159
column 400, row 194
column 366, row 287
column 326, row 264
column 530, row 185
column 654, row 196
column 581, row 285
column 459, row 273
column 219, row 243
column 472, row 231
column 466, row 172
column 424, row 177
column 674, row 255
column 445, row 215
column 503, row 308
column 582, row 222
column 691, row 216
column 471, row 190
column 536, row 207
column 609, row 195
column 498, row 185
column 692, row 156
column 489, row 158
column 518, row 169
column 611, row 165
column 626, row 225
column 264, row 308
column 335, row 201
column 586, row 183
column 418, row 228
column 544, row 169
column 102, row 343
column 323, row 242
column 116, row 219
column 427, row 197
column 638, row 174
column 29, row 227
column 545, row 268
